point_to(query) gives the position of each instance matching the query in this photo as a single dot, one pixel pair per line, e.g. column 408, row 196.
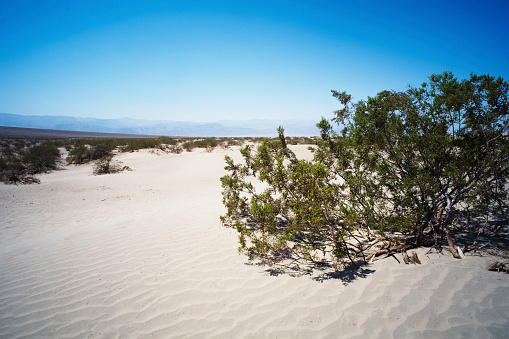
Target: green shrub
column 137, row 144
column 131, row 145
column 189, row 146
column 21, row 159
column 235, row 142
column 106, row 166
column 11, row 170
column 79, row 155
column 42, row 158
column 210, row 143
column 419, row 162
column 168, row 140
column 176, row 149
column 82, row 153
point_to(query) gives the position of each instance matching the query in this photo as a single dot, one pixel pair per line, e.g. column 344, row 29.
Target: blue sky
column 215, row 60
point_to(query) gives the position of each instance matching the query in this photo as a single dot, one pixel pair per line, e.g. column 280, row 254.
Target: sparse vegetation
column 84, row 153
column 137, row 144
column 20, row 160
column 200, row 143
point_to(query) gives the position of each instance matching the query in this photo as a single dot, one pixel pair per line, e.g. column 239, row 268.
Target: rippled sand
column 143, row 254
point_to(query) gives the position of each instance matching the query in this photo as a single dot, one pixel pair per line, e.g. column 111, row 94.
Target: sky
column 218, row 60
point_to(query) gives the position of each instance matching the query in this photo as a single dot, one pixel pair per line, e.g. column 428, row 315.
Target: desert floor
column 142, row 253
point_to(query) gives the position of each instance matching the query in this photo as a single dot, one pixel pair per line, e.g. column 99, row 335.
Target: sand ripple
column 142, row 254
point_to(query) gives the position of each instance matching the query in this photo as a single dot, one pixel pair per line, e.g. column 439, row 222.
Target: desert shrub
column 12, row 170
column 80, row 155
column 292, row 141
column 209, row 142
column 188, row 146
column 176, row 149
column 235, row 142
column 42, row 158
column 21, row 159
column 422, row 156
column 103, row 149
column 106, row 166
column 131, row 145
column 227, row 142
column 11, row 167
column 137, row 144
column 168, row 140
column 298, row 216
column 3, row 164
column 200, row 143
column 412, row 161
column 6, row 150
column 301, row 141
column 83, row 153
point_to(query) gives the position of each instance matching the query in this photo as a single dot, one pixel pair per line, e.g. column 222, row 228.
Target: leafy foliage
column 298, row 214
column 143, row 143
column 425, row 154
column 20, row 160
column 41, row 158
column 410, row 161
column 86, row 151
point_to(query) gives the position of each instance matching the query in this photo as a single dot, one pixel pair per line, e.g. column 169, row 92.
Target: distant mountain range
column 224, row 128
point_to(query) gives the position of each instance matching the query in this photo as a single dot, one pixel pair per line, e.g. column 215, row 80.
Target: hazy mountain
column 225, row 128
column 291, row 127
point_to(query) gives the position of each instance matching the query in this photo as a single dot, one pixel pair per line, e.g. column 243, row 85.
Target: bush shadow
column 318, row 272
column 347, row 275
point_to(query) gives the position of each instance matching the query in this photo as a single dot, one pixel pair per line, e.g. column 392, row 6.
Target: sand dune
column 143, row 254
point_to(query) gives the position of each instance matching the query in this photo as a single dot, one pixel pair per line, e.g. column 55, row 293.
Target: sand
column 142, row 254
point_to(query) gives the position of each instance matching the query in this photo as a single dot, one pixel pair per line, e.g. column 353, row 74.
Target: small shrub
column 83, row 153
column 12, row 171
column 235, row 142
column 106, row 166
column 167, row 140
column 137, row 144
column 79, row 155
column 189, row 146
column 201, row 143
column 176, row 149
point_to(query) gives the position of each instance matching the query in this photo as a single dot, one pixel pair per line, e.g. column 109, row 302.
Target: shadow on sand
column 318, row 272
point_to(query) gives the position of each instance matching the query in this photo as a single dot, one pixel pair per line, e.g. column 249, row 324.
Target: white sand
column 143, row 254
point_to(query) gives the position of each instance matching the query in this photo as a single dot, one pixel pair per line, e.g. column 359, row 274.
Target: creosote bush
column 42, row 158
column 420, row 162
column 20, row 160
column 83, row 153
column 300, row 213
column 200, row 143
column 107, row 166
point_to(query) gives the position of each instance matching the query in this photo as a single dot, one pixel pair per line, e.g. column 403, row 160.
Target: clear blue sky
column 214, row 60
